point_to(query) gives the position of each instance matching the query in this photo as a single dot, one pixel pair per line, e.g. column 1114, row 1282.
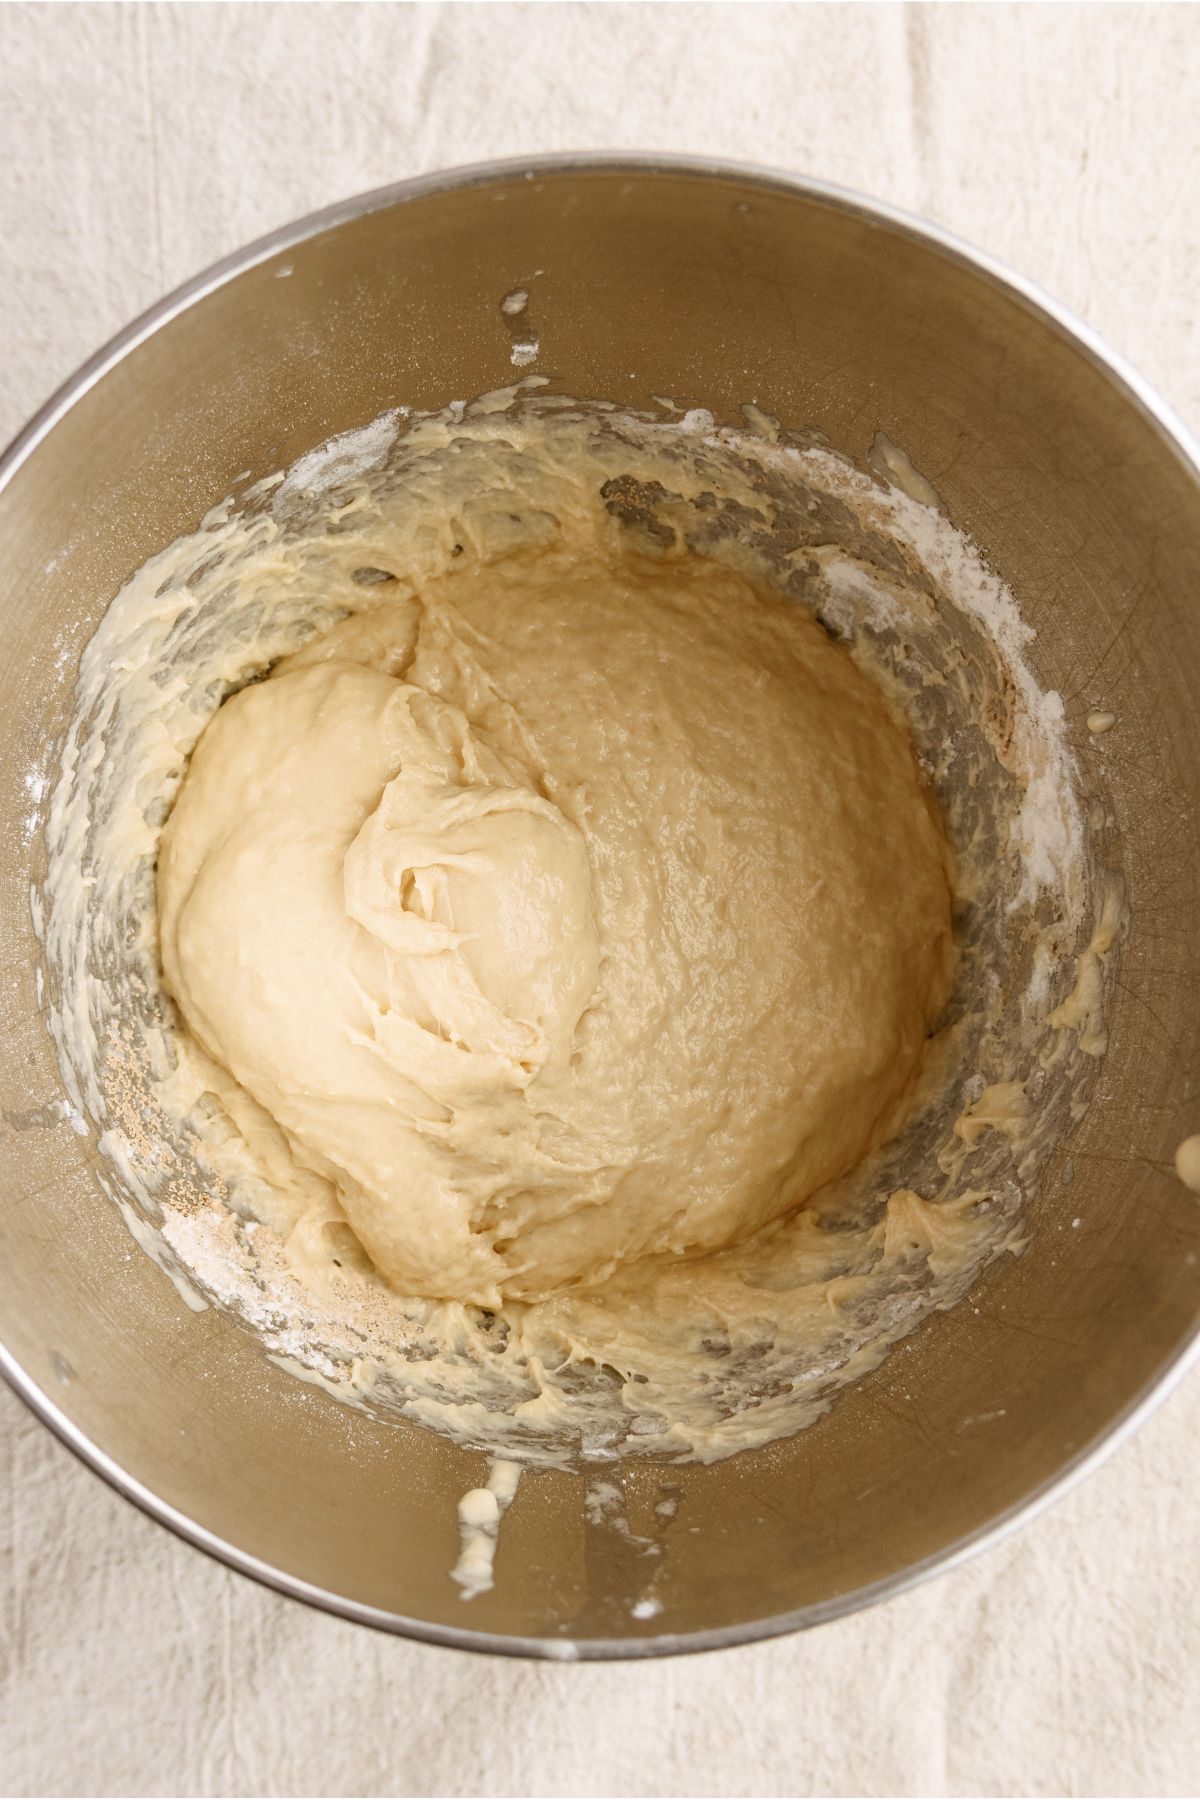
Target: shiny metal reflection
column 715, row 285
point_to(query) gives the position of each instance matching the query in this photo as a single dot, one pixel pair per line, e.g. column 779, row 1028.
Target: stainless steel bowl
column 714, row 285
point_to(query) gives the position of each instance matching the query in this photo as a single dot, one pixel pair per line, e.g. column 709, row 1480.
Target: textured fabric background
column 136, row 145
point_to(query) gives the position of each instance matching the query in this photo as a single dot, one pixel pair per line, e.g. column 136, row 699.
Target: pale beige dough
column 1187, row 1163
column 573, row 908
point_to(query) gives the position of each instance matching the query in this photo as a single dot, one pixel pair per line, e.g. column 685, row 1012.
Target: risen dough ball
column 573, row 910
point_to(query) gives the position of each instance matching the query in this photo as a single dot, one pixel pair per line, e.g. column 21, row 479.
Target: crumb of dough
column 1187, row 1163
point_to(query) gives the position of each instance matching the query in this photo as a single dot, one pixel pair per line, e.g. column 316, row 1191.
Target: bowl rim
column 1137, row 390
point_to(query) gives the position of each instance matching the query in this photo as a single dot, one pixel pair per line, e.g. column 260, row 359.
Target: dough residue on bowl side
column 432, row 671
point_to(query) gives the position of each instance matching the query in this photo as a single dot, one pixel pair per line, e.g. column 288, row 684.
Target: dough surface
column 565, row 910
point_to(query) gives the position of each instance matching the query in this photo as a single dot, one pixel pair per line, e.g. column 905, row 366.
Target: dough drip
column 572, row 908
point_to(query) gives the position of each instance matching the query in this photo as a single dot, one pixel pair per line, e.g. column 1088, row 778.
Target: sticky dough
column 567, row 909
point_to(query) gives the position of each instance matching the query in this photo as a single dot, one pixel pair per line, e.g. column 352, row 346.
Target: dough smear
column 541, row 904
column 564, row 910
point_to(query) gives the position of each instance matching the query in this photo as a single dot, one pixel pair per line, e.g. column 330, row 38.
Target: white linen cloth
column 139, row 143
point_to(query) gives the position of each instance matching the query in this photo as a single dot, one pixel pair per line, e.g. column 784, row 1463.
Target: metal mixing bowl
column 715, row 286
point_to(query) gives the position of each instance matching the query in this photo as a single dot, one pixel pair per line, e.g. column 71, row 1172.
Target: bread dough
column 567, row 909
column 1187, row 1163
